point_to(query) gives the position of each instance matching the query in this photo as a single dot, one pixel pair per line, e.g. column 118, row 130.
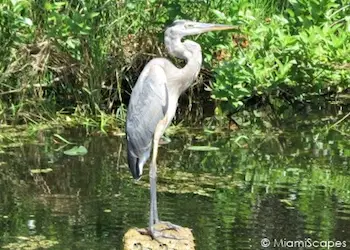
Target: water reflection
column 289, row 186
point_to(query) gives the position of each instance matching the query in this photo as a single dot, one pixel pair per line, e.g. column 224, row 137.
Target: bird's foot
column 160, row 229
column 169, row 226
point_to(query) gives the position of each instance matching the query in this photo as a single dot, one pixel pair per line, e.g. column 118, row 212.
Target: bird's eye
column 188, row 25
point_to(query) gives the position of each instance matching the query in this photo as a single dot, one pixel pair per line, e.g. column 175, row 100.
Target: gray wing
column 147, row 106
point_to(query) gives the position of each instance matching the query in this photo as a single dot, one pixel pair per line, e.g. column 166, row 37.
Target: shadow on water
column 290, row 185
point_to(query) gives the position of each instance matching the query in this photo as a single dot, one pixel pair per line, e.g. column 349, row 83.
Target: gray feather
column 147, row 106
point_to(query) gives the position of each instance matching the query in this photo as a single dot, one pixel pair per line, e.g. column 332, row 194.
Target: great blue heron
column 154, row 99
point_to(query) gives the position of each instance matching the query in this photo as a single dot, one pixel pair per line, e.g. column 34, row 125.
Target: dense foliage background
column 83, row 57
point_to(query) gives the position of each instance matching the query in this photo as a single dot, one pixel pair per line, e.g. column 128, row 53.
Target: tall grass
column 62, row 55
column 270, row 7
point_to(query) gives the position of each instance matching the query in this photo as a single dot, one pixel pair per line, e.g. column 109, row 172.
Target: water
column 283, row 186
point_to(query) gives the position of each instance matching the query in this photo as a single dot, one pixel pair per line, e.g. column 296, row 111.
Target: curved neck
column 193, row 58
column 190, row 72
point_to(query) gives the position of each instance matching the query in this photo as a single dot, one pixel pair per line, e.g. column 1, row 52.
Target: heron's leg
column 161, row 126
column 154, row 219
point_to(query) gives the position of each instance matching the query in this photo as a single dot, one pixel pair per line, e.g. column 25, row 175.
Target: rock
column 134, row 240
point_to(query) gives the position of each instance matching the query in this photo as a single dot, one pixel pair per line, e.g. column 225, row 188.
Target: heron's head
column 181, row 28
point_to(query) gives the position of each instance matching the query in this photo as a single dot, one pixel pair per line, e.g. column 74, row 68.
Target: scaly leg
column 154, row 218
column 161, row 126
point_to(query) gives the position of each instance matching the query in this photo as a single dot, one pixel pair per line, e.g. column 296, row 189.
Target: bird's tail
column 134, row 164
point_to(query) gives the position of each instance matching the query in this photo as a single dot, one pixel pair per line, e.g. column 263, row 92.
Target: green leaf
column 202, row 148
column 28, row 21
column 286, row 202
column 76, row 151
column 130, row 6
column 219, row 14
column 39, row 171
column 93, row 14
column 62, row 139
column 347, row 152
column 48, row 6
column 267, row 124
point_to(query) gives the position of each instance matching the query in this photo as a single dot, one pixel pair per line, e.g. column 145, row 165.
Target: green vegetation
column 76, row 151
column 74, row 62
column 296, row 54
column 31, row 243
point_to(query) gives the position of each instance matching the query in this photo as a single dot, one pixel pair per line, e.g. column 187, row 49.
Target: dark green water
column 290, row 184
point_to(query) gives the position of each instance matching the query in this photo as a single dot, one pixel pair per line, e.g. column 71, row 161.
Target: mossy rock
column 134, row 240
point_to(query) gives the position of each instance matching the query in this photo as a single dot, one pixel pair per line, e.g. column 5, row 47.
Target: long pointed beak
column 206, row 27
